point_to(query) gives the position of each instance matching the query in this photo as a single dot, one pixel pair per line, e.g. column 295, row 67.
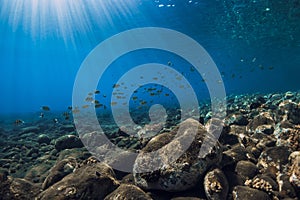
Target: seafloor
column 257, row 157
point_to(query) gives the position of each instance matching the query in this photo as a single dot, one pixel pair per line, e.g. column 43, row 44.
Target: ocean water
column 255, row 44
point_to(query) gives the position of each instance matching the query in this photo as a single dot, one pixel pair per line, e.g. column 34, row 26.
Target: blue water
column 255, row 44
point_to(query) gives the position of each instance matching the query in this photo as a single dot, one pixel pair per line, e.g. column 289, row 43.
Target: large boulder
column 68, row 142
column 59, row 171
column 185, row 170
column 92, row 180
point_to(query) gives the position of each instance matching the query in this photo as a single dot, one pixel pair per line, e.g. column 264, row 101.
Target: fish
column 55, row 120
column 66, row 114
column 75, row 111
column 143, row 102
column 69, row 107
column 113, row 103
column 89, row 99
column 96, row 102
column 45, row 108
column 90, row 93
column 97, row 92
column 261, row 67
column 116, row 85
column 134, row 98
column 18, row 122
column 41, row 115
column 98, row 105
column 85, row 106
column 170, row 63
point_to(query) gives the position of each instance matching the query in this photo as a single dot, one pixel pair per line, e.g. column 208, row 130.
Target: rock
column 59, row 171
column 234, row 155
column 246, row 169
column 233, row 178
column 93, row 180
column 17, row 188
column 244, row 192
column 39, row 171
column 266, row 129
column 285, row 187
column 291, row 110
column 236, row 119
column 185, row 171
column 294, row 171
column 68, row 142
column 289, row 137
column 33, row 129
column 43, row 139
column 289, row 95
column 80, row 154
column 215, row 185
column 128, row 179
column 67, row 128
column 128, row 192
column 274, row 156
column 229, row 138
column 258, row 101
column 264, row 118
column 263, row 182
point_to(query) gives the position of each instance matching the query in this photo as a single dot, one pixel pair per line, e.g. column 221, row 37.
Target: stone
column 246, row 169
column 185, row 171
column 264, row 118
column 43, row 138
column 33, row 129
column 244, row 192
column 285, row 187
column 234, row 155
column 39, row 171
column 18, row 188
column 294, row 171
column 289, row 137
column 92, row 180
column 291, row 110
column 215, row 185
column 236, row 119
column 266, row 129
column 59, row 171
column 277, row 155
column 258, row 101
column 67, row 128
column 68, row 142
column 128, row 192
column 263, row 183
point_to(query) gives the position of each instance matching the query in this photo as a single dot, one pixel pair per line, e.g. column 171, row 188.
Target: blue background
column 255, row 44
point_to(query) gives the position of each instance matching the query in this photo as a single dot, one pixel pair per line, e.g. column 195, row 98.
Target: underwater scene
column 150, row 99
